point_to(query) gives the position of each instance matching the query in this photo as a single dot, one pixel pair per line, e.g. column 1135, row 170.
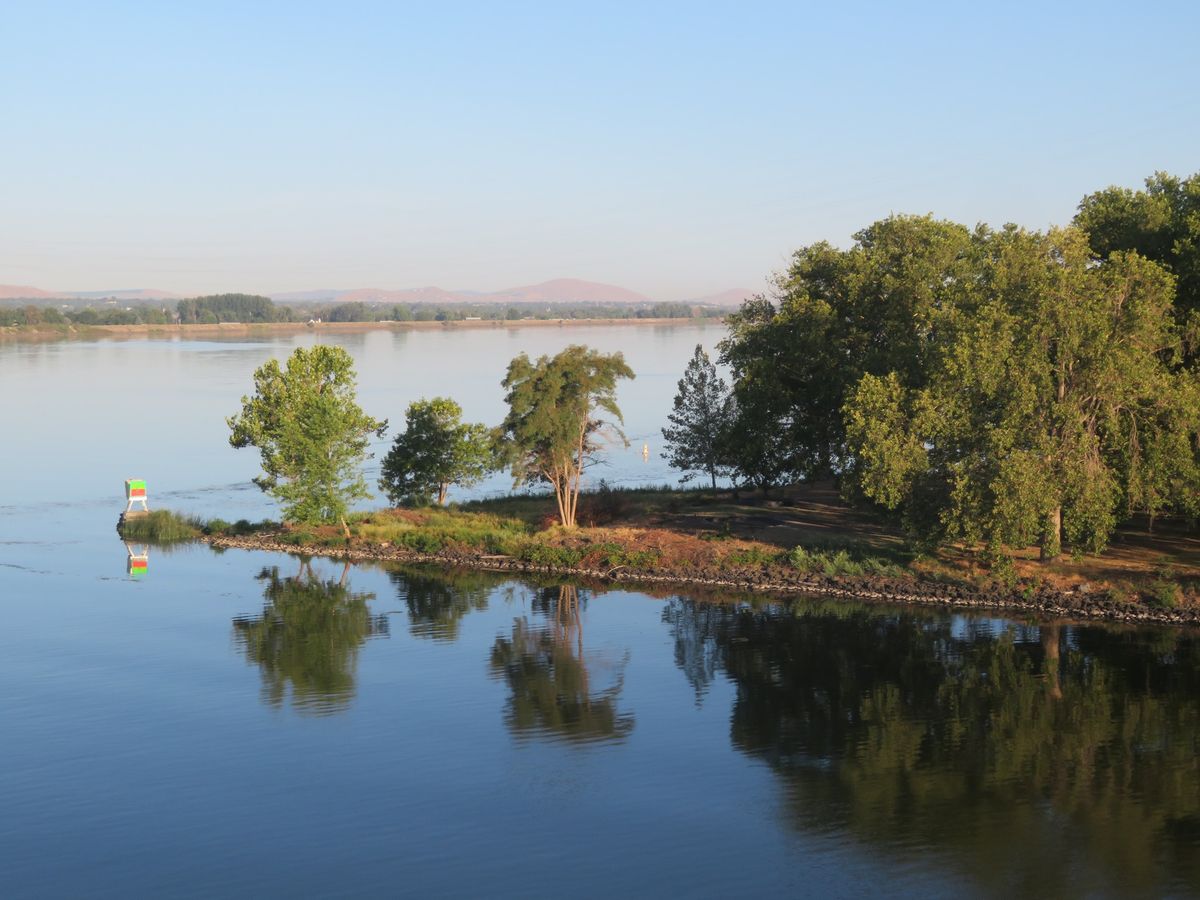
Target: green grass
column 162, row 526
column 440, row 530
column 843, row 561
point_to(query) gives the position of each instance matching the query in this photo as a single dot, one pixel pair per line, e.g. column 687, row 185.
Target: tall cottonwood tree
column 310, row 432
column 555, row 420
column 1161, row 223
column 836, row 315
column 1054, row 404
column 699, row 433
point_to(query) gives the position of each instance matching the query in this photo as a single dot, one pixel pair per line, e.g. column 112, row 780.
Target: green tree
column 553, row 427
column 435, row 450
column 837, row 315
column 311, row 433
column 1161, row 223
column 701, row 421
column 1056, row 402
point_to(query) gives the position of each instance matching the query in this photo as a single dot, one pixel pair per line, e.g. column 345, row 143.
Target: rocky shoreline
column 1080, row 603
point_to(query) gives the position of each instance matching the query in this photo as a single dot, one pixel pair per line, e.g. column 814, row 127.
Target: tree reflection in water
column 1045, row 760
column 308, row 638
column 551, row 679
column 438, row 602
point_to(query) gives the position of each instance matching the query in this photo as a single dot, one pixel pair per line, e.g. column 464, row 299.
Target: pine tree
column 699, row 432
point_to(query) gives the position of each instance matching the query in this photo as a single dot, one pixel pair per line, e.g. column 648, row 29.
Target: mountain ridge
column 555, row 290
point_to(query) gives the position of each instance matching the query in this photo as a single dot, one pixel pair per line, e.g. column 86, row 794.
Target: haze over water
column 239, row 724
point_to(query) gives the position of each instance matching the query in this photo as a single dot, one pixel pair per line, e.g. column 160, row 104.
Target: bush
column 1165, row 594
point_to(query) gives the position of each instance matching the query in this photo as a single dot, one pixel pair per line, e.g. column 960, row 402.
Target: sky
column 677, row 149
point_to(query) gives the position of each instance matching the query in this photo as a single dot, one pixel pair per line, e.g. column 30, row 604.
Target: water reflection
column 307, row 639
column 438, row 602
column 138, row 562
column 558, row 689
column 1069, row 750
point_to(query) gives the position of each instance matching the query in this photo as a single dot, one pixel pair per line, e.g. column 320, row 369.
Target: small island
column 1000, row 419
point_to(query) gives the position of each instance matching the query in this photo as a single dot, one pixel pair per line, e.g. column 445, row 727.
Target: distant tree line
column 254, row 309
column 997, row 388
column 245, row 308
column 359, row 311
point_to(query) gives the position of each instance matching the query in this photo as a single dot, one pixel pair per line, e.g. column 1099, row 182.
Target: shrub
column 1164, row 593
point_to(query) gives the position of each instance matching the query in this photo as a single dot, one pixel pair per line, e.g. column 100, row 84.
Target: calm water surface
column 248, row 724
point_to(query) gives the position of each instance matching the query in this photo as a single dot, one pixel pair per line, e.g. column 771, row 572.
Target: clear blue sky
column 676, row 149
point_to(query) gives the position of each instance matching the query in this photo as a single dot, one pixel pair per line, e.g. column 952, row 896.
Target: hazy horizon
column 675, row 151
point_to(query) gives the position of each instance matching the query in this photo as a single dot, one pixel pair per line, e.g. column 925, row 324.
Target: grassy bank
column 802, row 538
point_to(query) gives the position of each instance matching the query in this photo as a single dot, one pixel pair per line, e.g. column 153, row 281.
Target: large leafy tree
column 310, row 432
column 699, row 433
column 1161, row 223
column 435, row 450
column 1054, row 403
column 556, row 418
column 837, row 315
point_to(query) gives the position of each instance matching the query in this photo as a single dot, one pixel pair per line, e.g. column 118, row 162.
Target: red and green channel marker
column 135, row 488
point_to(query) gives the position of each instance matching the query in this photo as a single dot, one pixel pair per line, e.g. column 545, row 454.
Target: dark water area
column 189, row 723
column 257, row 724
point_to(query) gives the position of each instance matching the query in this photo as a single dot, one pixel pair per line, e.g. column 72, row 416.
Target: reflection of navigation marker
column 645, row 453
column 135, row 492
column 139, row 559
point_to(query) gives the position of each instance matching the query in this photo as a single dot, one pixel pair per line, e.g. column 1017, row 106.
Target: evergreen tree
column 699, row 432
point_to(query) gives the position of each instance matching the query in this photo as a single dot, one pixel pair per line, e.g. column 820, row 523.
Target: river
column 194, row 723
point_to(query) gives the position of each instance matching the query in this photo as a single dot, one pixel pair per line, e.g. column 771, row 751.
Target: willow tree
column 1055, row 402
column 556, row 418
column 310, row 432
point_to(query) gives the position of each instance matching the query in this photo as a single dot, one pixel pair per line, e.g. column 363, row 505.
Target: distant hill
column 24, row 292
column 570, row 290
column 126, row 294
column 557, row 290
column 315, row 296
column 405, row 295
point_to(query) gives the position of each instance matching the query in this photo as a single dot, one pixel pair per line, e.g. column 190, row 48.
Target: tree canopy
column 998, row 386
column 310, row 432
column 554, row 423
column 1161, row 223
column 435, row 450
column 231, row 308
column 837, row 316
column 1053, row 401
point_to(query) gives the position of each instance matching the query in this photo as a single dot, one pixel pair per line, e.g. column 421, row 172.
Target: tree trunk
column 345, row 527
column 442, row 488
column 714, row 478
column 1051, row 547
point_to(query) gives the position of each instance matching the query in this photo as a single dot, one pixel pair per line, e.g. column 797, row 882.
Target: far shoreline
column 239, row 329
